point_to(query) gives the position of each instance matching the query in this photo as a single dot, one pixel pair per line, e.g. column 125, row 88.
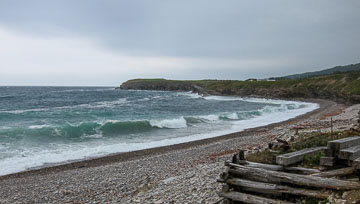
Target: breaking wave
column 116, row 127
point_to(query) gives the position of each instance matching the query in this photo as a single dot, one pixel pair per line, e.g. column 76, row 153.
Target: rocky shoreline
column 184, row 173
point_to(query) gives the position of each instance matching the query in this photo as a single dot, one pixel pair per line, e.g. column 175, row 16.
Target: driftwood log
column 263, row 175
column 337, row 172
column 272, row 167
column 268, row 188
column 248, row 198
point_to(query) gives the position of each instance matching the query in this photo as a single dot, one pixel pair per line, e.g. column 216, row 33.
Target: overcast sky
column 87, row 42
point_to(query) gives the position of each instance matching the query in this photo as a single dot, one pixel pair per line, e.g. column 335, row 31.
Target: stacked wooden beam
column 342, row 151
column 249, row 182
column 295, row 157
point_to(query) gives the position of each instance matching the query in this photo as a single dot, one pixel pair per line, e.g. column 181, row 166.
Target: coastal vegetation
column 340, row 87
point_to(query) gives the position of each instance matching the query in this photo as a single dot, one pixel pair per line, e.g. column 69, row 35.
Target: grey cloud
column 320, row 32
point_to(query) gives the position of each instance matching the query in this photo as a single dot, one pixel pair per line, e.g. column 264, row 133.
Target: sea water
column 51, row 125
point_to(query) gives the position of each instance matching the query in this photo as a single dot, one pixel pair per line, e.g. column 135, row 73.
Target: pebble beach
column 183, row 173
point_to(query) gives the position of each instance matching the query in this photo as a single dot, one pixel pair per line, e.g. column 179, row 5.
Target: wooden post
column 239, row 158
column 242, row 154
column 331, row 123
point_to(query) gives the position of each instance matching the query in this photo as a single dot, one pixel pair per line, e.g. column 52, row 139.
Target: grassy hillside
column 347, row 68
column 341, row 87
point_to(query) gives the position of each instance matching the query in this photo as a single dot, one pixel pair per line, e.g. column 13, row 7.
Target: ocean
column 53, row 125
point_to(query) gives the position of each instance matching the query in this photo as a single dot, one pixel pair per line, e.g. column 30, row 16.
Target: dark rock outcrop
column 182, row 86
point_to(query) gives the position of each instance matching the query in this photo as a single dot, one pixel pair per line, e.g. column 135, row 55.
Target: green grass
column 265, row 157
column 312, row 161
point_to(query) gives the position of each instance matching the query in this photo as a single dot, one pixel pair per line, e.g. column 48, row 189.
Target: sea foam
column 169, row 123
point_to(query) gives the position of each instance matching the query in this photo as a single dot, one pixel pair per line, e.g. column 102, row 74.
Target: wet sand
column 181, row 173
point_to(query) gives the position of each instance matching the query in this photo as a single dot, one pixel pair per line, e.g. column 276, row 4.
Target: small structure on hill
column 251, row 80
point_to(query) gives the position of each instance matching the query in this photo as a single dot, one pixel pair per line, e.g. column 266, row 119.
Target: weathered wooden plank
column 304, row 180
column 294, row 157
column 248, row 198
column 277, row 167
column 265, row 166
column 268, row 188
column 344, row 143
column 350, row 153
column 336, row 172
column 258, row 165
column 254, row 177
column 229, row 182
column 301, row 170
column 327, row 161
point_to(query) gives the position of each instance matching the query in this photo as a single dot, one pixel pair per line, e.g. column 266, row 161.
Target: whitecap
column 169, row 123
column 38, row 126
column 211, row 117
column 232, row 116
column 190, row 94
